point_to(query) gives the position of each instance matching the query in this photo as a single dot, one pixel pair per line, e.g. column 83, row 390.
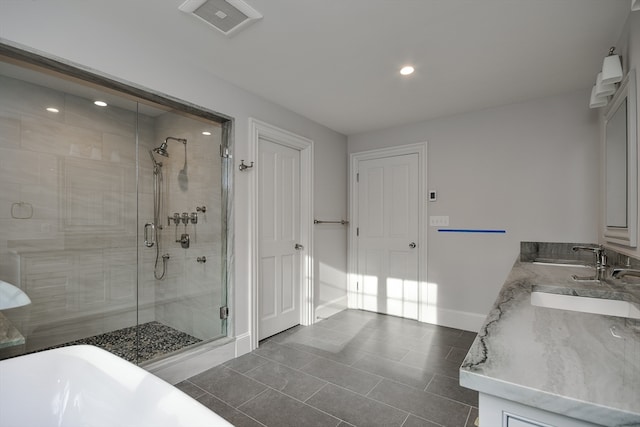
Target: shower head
column 162, row 149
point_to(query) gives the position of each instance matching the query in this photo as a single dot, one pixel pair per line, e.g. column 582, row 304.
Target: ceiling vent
column 226, row 16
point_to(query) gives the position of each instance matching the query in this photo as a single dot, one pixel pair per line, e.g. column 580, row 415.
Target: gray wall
column 529, row 168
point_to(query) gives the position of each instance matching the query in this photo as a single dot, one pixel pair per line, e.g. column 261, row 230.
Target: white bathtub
column 87, row 386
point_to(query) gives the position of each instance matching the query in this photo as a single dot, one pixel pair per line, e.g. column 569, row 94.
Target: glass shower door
column 181, row 284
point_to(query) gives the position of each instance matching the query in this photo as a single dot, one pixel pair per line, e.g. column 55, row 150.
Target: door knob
column 298, row 247
column 412, row 245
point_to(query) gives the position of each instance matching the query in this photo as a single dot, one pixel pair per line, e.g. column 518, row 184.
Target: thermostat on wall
column 432, row 195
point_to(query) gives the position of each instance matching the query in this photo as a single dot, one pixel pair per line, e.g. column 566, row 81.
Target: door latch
column 298, row 247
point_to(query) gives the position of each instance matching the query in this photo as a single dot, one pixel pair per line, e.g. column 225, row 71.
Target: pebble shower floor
column 155, row 340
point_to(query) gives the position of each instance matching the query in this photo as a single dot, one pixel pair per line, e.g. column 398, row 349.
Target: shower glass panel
column 180, row 218
column 87, row 225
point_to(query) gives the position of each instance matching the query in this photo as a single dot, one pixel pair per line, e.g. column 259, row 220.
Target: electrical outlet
column 439, row 221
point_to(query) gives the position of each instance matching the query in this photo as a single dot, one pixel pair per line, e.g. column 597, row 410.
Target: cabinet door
column 516, row 421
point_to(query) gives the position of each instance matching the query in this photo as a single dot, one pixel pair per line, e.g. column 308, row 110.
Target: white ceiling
column 337, row 61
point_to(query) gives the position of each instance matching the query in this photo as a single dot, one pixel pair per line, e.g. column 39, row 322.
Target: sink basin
column 562, row 264
column 608, row 307
column 87, row 386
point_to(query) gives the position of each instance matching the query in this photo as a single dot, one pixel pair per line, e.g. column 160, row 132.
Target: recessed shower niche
column 88, row 195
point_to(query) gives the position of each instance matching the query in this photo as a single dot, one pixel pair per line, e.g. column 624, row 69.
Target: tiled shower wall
column 68, row 210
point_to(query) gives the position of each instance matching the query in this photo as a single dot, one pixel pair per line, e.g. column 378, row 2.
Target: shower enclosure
column 113, row 217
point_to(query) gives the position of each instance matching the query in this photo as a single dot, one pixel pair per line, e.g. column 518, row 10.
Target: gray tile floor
column 354, row 369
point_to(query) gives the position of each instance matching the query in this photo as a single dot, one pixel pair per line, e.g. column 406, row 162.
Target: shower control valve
column 201, row 259
column 185, row 218
column 194, row 218
column 176, row 218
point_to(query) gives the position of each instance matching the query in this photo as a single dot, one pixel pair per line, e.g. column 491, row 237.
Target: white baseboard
column 330, row 308
column 455, row 319
column 243, row 344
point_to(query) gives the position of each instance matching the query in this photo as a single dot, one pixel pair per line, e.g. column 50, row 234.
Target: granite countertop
column 585, row 366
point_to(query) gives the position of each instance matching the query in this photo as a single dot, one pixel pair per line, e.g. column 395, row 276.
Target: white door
column 388, row 235
column 279, row 233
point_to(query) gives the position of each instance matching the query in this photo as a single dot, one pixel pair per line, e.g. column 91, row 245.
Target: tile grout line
column 197, row 386
column 468, row 416
column 249, row 416
column 300, row 401
column 405, row 419
column 374, row 400
column 249, row 400
column 429, row 421
column 316, row 392
column 376, row 385
column 424, row 391
column 430, row 381
column 280, row 391
column 252, row 369
column 227, row 403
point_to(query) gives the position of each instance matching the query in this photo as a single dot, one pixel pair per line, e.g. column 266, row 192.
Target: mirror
column 621, row 165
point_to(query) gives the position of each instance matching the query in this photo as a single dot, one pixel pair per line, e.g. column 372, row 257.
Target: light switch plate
column 439, row 221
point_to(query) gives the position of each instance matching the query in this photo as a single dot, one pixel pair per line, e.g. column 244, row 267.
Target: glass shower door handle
column 149, row 242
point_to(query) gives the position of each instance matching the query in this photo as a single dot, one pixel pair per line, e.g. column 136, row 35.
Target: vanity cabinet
column 495, row 411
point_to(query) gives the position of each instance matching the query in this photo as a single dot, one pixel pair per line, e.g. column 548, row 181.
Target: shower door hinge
column 224, row 153
column 224, row 312
column 358, row 177
column 358, row 231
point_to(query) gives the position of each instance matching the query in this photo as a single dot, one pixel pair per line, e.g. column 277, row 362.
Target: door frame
column 354, row 296
column 257, row 130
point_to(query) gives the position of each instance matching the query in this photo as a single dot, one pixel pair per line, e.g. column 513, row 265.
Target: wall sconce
column 611, row 68
column 604, row 89
column 606, row 80
column 597, row 101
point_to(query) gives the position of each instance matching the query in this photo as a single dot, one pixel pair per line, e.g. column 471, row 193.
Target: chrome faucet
column 619, row 273
column 600, row 262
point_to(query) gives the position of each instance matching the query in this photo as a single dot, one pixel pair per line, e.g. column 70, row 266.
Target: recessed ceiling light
column 406, row 70
column 100, row 103
column 53, row 110
column 206, row 132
